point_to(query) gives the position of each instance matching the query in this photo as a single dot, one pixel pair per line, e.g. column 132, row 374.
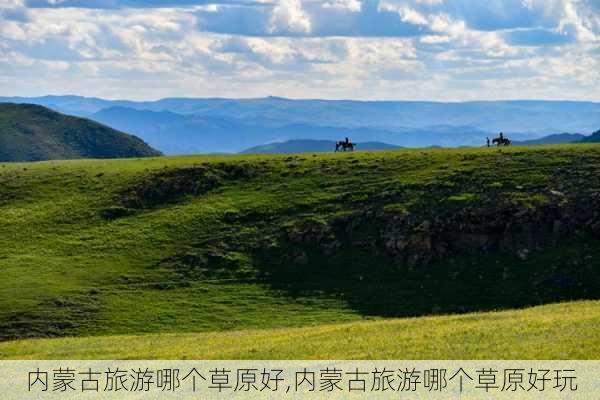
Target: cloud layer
column 371, row 49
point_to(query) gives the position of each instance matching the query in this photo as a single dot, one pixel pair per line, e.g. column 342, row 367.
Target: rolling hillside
column 234, row 243
column 569, row 329
column 33, row 133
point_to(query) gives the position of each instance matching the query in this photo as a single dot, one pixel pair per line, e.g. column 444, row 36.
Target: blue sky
column 361, row 49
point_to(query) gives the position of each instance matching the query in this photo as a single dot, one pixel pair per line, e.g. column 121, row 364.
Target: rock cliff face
column 430, row 208
column 412, row 239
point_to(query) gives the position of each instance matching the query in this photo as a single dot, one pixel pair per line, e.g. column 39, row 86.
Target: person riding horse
column 501, row 140
column 345, row 145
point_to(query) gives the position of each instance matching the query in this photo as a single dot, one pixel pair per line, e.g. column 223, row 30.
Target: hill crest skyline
column 222, row 125
column 292, row 98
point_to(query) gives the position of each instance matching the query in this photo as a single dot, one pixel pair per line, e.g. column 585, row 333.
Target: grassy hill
column 216, row 243
column 31, row 133
column 558, row 331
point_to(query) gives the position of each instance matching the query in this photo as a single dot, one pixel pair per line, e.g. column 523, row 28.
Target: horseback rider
column 344, row 145
column 501, row 136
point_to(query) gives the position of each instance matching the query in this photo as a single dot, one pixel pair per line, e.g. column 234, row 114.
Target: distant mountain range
column 175, row 133
column 184, row 126
column 32, row 133
column 313, row 146
column 554, row 139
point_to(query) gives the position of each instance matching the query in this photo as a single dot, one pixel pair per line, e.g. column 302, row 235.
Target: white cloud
column 350, row 5
column 435, row 39
column 426, row 49
column 583, row 26
column 289, row 16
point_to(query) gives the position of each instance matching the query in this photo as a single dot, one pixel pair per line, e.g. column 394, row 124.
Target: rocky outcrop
column 420, row 238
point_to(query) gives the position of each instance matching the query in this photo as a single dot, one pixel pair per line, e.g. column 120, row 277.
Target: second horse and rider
column 345, row 145
column 501, row 140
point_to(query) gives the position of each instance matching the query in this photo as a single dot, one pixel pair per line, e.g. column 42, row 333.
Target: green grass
column 558, row 331
column 31, row 132
column 221, row 244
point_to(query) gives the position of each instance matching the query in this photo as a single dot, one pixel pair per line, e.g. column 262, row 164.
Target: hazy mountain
column 553, row 139
column 593, row 138
column 181, row 126
column 31, row 132
column 313, row 146
column 73, row 105
column 529, row 116
column 184, row 134
column 193, row 133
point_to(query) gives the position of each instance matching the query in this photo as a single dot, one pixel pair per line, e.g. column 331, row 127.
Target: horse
column 501, row 141
column 344, row 146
